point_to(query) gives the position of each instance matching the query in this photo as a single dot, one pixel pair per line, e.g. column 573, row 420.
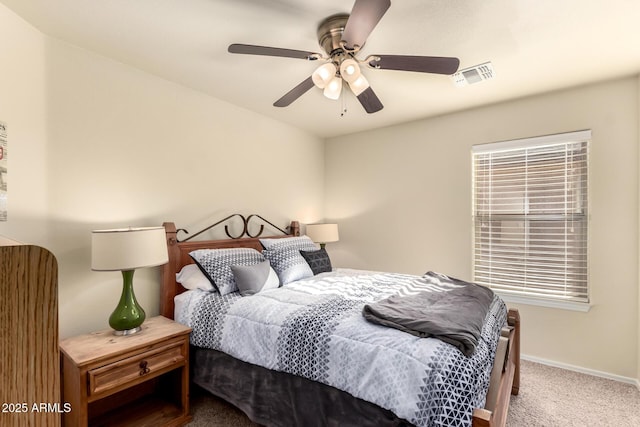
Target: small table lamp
column 323, row 233
column 125, row 250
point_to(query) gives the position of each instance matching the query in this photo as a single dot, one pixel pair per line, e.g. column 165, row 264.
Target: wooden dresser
column 29, row 355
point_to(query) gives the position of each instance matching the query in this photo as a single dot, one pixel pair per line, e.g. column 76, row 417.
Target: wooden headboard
column 179, row 256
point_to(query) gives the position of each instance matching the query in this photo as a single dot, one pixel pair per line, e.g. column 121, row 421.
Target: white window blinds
column 530, row 216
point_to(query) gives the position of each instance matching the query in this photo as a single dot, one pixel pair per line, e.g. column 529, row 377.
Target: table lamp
column 125, row 250
column 323, row 233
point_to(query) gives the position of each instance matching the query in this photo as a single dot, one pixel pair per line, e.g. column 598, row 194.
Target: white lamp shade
column 323, row 233
column 333, row 88
column 323, row 74
column 349, row 70
column 128, row 248
column 359, row 85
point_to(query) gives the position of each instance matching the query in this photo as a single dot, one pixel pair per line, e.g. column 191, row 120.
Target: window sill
column 564, row 305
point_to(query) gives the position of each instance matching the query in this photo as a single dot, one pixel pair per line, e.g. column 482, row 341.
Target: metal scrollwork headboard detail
column 245, row 228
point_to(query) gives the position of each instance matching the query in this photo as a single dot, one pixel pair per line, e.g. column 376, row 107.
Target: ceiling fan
column 341, row 37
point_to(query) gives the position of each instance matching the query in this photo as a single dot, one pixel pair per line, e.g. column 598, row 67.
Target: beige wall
column 407, row 207
column 104, row 145
column 23, row 108
column 97, row 144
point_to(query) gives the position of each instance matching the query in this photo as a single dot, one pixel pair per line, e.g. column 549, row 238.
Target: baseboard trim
column 592, row 372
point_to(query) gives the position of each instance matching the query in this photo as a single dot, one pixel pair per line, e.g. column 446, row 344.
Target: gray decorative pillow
column 318, row 260
column 252, row 279
column 216, row 265
column 285, row 258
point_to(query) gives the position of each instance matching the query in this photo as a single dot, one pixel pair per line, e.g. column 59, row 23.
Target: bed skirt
column 273, row 398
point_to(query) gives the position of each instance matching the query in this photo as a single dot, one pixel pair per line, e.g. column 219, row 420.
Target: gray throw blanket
column 454, row 316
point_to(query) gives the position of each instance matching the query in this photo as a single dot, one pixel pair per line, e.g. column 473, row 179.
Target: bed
column 267, row 375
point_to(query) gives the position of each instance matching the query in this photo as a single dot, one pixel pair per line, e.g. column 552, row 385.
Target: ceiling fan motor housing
column 330, row 34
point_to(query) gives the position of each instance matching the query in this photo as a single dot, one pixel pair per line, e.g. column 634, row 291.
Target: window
column 530, row 218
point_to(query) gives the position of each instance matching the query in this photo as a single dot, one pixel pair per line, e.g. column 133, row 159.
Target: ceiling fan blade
column 249, row 49
column 294, row 93
column 364, row 17
column 370, row 101
column 420, row 64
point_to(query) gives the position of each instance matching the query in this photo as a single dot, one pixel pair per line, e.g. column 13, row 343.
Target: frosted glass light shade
column 128, row 248
column 323, row 233
column 333, row 88
column 349, row 70
column 359, row 85
column 323, row 74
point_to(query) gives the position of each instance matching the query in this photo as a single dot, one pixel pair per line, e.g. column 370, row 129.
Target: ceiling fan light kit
column 359, row 85
column 342, row 36
column 323, row 74
column 350, row 70
column 333, row 88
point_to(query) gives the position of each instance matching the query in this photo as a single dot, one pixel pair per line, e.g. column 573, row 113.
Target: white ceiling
column 534, row 45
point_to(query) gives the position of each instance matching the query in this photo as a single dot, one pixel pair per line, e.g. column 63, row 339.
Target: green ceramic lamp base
column 128, row 316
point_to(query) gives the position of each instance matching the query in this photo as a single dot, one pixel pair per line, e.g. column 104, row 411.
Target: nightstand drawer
column 137, row 368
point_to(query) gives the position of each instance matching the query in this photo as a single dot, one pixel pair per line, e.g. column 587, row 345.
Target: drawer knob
column 143, row 368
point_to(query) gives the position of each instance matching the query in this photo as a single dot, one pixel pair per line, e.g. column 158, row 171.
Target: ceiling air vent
column 474, row 74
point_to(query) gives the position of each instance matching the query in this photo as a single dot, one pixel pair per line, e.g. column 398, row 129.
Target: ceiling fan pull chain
column 343, row 104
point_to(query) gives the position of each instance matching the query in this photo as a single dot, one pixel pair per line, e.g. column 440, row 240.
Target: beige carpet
column 548, row 397
column 557, row 397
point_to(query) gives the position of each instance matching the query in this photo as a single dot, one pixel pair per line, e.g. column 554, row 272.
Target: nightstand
column 135, row 380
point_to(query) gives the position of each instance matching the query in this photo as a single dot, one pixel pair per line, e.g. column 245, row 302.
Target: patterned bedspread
column 314, row 328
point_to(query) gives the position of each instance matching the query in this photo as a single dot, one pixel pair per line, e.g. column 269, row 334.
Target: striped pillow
column 284, row 256
column 216, row 265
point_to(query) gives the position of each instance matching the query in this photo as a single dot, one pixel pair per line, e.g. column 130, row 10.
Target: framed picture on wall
column 3, row 171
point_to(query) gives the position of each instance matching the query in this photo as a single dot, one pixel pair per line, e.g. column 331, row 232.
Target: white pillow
column 253, row 279
column 190, row 277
